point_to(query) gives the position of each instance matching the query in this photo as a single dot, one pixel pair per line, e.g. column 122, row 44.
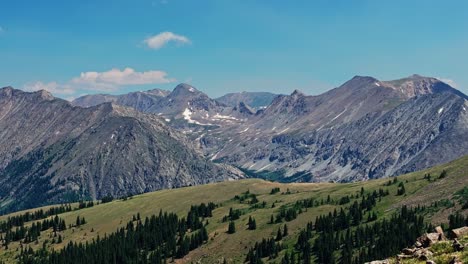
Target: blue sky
column 78, row 47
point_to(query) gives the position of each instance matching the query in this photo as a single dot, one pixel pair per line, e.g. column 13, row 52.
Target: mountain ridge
column 52, row 150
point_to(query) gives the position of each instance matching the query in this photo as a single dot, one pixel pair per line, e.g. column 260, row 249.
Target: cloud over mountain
column 106, row 81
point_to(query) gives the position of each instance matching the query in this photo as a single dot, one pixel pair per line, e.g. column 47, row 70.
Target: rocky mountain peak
column 6, row 91
column 9, row 92
column 362, row 79
column 184, row 89
column 360, row 82
column 297, row 93
column 158, row 92
column 416, row 85
column 43, row 94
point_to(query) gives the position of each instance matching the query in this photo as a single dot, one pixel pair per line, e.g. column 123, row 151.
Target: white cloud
column 448, row 81
column 127, row 76
column 106, row 81
column 160, row 40
column 2, row 29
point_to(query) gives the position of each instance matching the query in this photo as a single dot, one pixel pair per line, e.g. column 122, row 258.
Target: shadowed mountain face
column 54, row 152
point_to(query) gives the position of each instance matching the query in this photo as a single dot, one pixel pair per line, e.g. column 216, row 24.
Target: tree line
column 156, row 239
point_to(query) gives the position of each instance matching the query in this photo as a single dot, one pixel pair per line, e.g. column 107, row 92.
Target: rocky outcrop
column 421, row 250
column 459, row 232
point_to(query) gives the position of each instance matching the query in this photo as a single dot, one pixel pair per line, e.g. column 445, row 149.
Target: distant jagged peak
column 359, row 82
column 6, row 88
column 297, row 93
column 45, row 95
column 412, row 78
column 114, row 109
column 40, row 94
column 6, row 91
column 416, row 85
column 185, row 89
column 158, row 92
column 363, row 77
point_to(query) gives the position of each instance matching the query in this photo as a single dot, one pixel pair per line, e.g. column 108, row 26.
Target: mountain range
column 364, row 129
column 54, row 152
column 99, row 145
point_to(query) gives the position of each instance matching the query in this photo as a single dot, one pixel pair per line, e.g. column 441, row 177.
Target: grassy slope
column 105, row 218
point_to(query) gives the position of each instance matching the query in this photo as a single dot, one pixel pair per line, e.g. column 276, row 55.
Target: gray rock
column 429, row 239
column 423, row 254
column 455, row 260
column 418, row 244
column 408, row 251
column 457, row 245
column 459, row 232
column 379, row 262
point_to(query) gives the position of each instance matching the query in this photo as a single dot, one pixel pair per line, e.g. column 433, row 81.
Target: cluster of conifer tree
column 287, row 214
column 199, row 211
column 21, row 219
column 266, row 248
column 251, row 224
column 107, row 199
column 80, row 221
column 155, row 239
column 85, row 204
column 28, row 234
column 234, row 214
column 248, row 197
column 337, row 243
column 457, row 220
column 275, row 190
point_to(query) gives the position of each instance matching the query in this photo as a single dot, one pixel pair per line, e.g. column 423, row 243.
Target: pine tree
column 401, row 189
column 231, row 227
column 279, row 235
column 252, row 225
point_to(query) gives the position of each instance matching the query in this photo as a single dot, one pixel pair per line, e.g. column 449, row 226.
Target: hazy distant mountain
column 94, row 99
column 138, row 100
column 51, row 151
column 252, row 99
column 184, row 106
